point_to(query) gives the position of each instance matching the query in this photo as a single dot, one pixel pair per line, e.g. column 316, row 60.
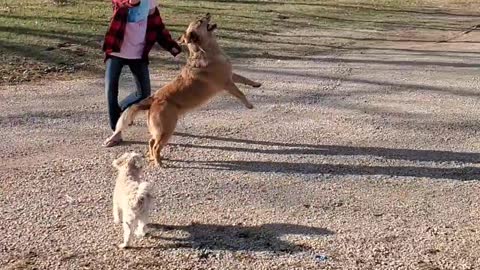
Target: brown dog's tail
column 129, row 114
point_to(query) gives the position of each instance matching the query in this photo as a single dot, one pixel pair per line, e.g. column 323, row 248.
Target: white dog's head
column 129, row 161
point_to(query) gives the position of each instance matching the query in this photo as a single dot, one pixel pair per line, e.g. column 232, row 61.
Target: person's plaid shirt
column 156, row 31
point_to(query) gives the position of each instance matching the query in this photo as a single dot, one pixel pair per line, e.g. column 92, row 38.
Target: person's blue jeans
column 113, row 70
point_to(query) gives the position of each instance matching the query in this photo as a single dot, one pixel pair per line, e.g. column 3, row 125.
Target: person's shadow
column 266, row 237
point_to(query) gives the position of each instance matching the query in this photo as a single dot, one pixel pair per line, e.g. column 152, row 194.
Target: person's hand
column 134, row 2
column 176, row 61
column 175, row 51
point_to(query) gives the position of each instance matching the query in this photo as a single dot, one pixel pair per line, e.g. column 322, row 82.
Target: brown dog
column 208, row 71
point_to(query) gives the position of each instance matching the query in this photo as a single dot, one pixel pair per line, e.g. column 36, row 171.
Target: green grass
column 39, row 39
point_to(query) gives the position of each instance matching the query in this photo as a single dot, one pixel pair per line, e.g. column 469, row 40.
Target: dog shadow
column 134, row 142
column 266, row 237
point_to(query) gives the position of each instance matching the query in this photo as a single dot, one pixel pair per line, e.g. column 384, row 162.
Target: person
column 134, row 28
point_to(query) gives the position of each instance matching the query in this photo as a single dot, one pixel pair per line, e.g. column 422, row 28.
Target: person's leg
column 141, row 75
column 113, row 70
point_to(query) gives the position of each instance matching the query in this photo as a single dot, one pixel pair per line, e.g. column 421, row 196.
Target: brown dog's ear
column 192, row 37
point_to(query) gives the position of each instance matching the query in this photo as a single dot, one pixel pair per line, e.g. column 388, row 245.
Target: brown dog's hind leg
column 164, row 124
column 157, row 148
column 151, row 155
column 240, row 79
column 159, row 144
column 233, row 90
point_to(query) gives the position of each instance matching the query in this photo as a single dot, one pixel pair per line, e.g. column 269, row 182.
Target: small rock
column 204, row 254
column 321, row 258
column 432, row 251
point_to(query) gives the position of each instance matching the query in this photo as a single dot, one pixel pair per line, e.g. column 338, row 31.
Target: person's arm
column 164, row 38
column 153, row 7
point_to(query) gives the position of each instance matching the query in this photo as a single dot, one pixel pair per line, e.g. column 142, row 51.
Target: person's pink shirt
column 134, row 38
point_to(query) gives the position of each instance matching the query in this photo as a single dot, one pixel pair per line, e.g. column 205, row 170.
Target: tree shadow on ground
column 462, row 173
column 266, row 237
column 369, row 81
column 309, row 168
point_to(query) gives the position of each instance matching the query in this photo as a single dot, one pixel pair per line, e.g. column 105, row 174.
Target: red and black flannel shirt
column 156, row 31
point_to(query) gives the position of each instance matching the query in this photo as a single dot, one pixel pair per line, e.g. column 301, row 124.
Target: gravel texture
column 361, row 159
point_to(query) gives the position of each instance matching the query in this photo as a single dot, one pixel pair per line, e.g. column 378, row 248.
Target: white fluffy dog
column 131, row 198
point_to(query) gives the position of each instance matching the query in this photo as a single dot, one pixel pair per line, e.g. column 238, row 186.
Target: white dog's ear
column 117, row 163
column 136, row 160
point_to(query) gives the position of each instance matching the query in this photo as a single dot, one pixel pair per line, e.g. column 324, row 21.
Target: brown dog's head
column 199, row 32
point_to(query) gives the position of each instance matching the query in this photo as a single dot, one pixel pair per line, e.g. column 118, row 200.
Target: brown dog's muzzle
column 210, row 27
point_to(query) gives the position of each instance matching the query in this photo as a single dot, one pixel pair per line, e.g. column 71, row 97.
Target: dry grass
column 42, row 39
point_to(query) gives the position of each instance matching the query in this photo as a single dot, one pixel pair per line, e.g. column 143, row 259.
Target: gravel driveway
column 355, row 159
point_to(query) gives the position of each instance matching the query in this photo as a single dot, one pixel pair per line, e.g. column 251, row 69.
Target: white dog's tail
column 143, row 196
column 129, row 114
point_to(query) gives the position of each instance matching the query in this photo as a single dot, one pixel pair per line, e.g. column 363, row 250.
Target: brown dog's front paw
column 153, row 163
column 157, row 163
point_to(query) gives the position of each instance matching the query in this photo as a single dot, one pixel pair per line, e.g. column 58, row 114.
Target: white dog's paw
column 116, row 221
column 123, row 246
